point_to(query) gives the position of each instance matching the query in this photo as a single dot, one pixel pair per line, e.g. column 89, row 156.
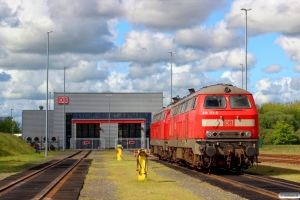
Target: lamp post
column 46, row 135
column 11, row 120
column 64, row 118
column 49, row 100
column 109, row 95
column 171, row 72
column 242, row 76
column 246, row 10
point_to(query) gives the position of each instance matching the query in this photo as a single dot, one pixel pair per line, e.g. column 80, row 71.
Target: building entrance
column 87, row 131
column 129, row 130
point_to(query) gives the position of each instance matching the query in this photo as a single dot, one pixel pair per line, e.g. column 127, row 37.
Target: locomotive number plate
column 228, row 122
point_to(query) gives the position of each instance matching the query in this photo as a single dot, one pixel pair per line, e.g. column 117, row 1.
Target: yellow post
column 119, row 150
column 142, row 167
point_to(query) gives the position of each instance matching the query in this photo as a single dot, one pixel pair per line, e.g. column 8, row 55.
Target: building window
column 129, row 130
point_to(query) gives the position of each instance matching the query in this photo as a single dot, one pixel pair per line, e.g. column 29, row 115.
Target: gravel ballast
column 99, row 183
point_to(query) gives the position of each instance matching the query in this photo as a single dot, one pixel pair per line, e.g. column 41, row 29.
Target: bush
column 283, row 134
column 7, row 125
column 297, row 134
column 270, row 118
column 266, row 134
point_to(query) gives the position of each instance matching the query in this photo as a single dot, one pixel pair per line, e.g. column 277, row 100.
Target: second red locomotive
column 215, row 127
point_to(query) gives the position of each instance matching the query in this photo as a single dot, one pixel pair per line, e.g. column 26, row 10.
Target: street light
column 46, row 136
column 171, row 72
column 50, row 100
column 109, row 95
column 11, row 120
column 64, row 128
column 246, row 10
column 242, row 76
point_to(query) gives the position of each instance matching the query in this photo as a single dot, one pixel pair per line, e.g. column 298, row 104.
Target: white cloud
column 151, row 47
column 281, row 90
column 86, row 71
column 291, row 45
column 266, row 16
column 295, row 83
column 208, row 38
column 225, row 60
column 166, row 15
column 234, row 78
column 272, row 69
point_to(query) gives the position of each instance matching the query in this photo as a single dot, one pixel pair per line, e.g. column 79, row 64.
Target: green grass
column 280, row 149
column 22, row 162
column 11, row 145
column 125, row 179
column 16, row 155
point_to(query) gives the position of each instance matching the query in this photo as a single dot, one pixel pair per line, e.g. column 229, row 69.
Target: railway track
column 47, row 182
column 279, row 158
column 245, row 185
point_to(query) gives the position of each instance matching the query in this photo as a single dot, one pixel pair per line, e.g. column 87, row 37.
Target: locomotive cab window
column 239, row 102
column 214, row 102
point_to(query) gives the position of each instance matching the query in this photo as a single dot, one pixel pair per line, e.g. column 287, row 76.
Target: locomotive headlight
column 208, row 133
column 248, row 134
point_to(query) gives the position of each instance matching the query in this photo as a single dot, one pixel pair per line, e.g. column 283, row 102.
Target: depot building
column 93, row 120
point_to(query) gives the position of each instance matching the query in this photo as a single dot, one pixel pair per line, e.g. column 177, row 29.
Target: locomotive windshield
column 239, row 102
column 214, row 102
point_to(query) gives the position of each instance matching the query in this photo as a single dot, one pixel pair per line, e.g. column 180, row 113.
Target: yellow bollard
column 119, row 150
column 141, row 163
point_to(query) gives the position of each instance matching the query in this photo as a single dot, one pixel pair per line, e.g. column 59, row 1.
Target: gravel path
column 202, row 189
column 98, row 186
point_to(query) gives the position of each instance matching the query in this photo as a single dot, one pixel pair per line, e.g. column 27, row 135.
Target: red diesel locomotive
column 215, row 127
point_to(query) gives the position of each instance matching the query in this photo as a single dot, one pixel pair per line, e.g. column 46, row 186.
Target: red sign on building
column 131, row 142
column 86, row 142
column 60, row 100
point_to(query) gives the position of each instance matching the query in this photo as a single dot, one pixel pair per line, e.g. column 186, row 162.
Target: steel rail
column 6, row 187
column 244, row 186
column 275, row 182
column 278, row 158
column 240, row 184
column 57, row 180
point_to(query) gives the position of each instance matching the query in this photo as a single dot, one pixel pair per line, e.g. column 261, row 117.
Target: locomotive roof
column 164, row 108
column 220, row 88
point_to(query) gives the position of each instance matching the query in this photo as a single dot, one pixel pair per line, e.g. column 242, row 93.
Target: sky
column 123, row 45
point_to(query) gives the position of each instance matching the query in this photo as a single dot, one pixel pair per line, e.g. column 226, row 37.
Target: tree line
column 7, row 125
column 279, row 123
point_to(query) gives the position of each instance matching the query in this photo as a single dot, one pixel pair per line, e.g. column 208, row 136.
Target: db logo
column 60, row 100
column 228, row 122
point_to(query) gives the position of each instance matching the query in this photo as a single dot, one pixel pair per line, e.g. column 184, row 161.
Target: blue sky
column 122, row 46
